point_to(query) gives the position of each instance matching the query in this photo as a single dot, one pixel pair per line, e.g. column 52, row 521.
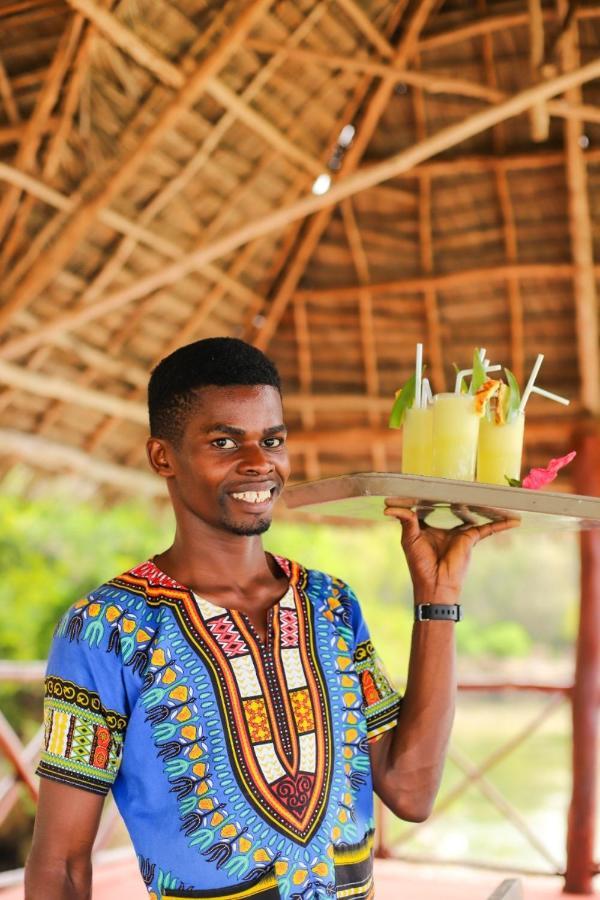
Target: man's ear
column 159, row 454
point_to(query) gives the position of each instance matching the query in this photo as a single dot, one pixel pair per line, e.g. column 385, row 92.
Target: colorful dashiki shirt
column 240, row 766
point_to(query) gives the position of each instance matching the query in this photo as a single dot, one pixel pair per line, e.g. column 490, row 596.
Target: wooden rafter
column 366, row 128
column 582, row 243
column 509, row 231
column 345, row 187
column 51, row 261
column 8, row 97
column 538, row 114
column 36, row 124
column 367, row 323
column 431, row 82
column 366, row 26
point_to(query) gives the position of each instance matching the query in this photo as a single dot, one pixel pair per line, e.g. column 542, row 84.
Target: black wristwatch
column 425, row 612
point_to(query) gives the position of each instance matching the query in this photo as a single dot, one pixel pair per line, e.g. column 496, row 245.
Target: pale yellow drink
column 500, row 450
column 455, row 433
column 417, row 436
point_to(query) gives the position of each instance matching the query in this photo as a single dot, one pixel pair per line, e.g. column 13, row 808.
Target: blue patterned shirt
column 239, row 763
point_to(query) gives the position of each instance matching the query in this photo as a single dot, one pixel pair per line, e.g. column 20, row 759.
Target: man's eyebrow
column 239, row 432
column 228, row 429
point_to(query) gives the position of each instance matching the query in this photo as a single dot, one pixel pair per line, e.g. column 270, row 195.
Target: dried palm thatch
column 158, row 169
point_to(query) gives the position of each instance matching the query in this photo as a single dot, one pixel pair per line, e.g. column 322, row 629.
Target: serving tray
column 442, row 501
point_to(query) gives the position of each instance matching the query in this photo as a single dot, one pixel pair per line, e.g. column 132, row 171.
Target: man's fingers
column 480, row 532
column 411, row 528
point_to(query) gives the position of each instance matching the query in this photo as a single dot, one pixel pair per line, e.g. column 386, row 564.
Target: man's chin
column 248, row 529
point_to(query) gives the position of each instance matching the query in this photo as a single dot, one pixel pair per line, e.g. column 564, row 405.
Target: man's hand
column 438, row 558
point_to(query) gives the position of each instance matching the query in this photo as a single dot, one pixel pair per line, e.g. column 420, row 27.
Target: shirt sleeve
column 85, row 703
column 381, row 701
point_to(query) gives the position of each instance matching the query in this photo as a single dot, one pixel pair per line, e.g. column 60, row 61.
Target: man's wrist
column 437, row 612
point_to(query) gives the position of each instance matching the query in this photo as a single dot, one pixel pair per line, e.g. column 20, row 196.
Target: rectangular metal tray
column 442, row 502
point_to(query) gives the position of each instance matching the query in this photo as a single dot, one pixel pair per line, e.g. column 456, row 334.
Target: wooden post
column 581, row 824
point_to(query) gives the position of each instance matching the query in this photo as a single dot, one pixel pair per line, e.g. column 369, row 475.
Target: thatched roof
column 157, row 163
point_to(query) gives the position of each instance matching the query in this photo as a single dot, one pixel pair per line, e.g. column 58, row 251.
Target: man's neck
column 210, row 561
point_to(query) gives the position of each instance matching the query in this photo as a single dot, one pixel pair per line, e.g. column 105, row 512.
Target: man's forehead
column 235, row 404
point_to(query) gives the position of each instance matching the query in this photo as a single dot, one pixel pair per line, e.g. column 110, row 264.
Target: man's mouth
column 253, row 496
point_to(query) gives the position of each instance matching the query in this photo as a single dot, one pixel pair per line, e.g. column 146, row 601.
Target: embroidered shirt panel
column 252, row 755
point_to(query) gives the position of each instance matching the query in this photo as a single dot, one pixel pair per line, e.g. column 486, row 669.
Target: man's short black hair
column 219, row 361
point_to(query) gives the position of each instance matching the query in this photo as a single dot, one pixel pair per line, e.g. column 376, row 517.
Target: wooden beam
column 62, row 458
column 173, row 76
column 431, row 82
column 8, row 97
column 345, row 187
column 367, row 325
column 52, row 152
column 42, row 272
column 370, row 118
column 44, row 385
column 37, row 123
column 538, row 114
column 582, row 239
column 366, row 26
column 581, row 826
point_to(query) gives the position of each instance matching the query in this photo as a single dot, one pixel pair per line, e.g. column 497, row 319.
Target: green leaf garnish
column 479, row 375
column 513, row 482
column 403, row 401
column 514, row 395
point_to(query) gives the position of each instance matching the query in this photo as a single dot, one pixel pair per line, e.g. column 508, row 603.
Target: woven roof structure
column 177, row 169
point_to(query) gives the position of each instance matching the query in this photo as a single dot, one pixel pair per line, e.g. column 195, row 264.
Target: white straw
column 460, row 375
column 418, row 372
column 538, row 390
column 426, row 394
column 534, row 373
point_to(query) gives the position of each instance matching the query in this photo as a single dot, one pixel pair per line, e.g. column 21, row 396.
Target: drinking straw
column 460, row 375
column 529, row 387
column 418, row 374
column 426, row 394
column 543, row 393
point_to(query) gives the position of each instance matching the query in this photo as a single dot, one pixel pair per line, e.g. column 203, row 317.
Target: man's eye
column 224, row 443
column 274, row 442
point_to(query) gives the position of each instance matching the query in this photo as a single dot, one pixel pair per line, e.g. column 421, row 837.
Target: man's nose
column 255, row 459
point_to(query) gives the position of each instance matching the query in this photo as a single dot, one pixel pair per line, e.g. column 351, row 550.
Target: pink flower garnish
column 537, row 478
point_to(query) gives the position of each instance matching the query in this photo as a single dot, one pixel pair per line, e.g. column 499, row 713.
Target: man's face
column 232, row 462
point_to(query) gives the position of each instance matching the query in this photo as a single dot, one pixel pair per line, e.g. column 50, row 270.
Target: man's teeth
column 253, row 496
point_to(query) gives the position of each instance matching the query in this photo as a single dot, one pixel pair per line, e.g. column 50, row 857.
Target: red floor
column 118, row 879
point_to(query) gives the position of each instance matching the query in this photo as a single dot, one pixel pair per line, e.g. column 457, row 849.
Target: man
column 231, row 699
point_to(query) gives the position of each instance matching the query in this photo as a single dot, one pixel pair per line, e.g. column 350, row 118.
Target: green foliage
column 501, row 640
column 479, row 376
column 404, row 400
column 53, row 551
column 513, row 397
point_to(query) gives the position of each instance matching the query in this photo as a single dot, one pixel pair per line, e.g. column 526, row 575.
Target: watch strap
column 425, row 612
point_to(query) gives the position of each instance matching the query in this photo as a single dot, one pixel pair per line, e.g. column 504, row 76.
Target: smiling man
column 232, row 699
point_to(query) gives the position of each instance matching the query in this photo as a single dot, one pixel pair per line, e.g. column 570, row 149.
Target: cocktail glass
column 455, row 434
column 500, row 450
column 417, row 437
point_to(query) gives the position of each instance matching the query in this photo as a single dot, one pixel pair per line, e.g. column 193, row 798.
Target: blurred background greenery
column 520, row 607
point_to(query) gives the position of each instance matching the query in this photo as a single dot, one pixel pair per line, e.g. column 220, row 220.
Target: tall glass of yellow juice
column 500, row 450
column 455, row 434
column 417, row 437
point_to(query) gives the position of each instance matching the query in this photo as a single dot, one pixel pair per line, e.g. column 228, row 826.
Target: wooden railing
column 22, row 758
column 475, row 774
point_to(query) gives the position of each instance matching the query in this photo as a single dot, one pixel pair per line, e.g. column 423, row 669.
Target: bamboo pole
column 37, row 123
column 51, row 261
column 346, row 187
column 582, row 239
column 8, row 97
column 538, row 114
column 45, row 454
column 366, row 26
column 582, row 809
column 370, row 118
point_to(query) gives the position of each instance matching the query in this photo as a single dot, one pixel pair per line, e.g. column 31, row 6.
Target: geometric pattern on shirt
column 82, row 739
column 269, row 772
column 381, row 700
